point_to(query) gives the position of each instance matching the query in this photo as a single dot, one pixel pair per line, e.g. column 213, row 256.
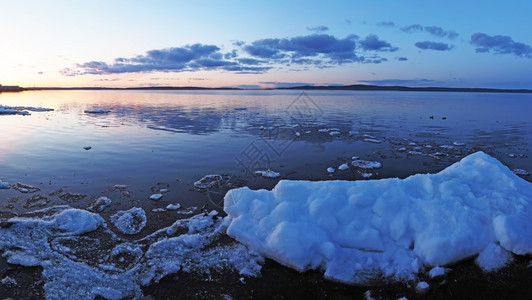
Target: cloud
column 401, row 58
column 318, row 28
column 433, row 30
column 328, row 47
column 428, row 45
column 372, row 42
column 318, row 49
column 260, row 56
column 500, row 44
column 386, row 24
column 412, row 28
column 439, row 32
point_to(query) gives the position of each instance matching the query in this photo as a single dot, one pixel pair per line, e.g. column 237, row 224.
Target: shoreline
column 354, row 87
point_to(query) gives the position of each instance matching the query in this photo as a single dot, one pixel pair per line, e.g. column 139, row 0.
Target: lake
column 170, row 139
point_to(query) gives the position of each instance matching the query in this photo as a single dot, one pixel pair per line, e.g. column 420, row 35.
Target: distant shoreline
column 354, row 87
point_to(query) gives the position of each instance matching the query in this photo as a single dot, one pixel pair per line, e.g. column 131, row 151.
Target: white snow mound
column 360, row 230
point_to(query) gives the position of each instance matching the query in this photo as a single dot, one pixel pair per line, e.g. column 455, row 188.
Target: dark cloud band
column 320, row 50
column 500, row 44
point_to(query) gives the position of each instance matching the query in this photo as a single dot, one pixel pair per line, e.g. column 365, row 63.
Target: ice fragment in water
column 156, row 197
column 130, row 221
column 268, row 174
column 366, row 164
column 343, row 167
column 208, row 181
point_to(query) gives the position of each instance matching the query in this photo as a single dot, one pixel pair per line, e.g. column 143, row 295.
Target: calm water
column 170, row 139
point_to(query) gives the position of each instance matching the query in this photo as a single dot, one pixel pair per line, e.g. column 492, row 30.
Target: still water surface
column 153, row 139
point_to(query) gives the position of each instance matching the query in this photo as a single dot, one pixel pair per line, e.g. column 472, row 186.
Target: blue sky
column 266, row 44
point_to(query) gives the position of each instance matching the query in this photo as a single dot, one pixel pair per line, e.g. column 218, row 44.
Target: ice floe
column 372, row 140
column 21, row 110
column 156, row 197
column 99, row 204
column 173, row 206
column 516, row 171
column 4, row 185
column 208, row 181
column 268, row 174
column 82, row 259
column 343, row 167
column 366, row 164
column 437, row 272
column 330, row 170
column 97, row 111
column 357, row 231
column 130, row 221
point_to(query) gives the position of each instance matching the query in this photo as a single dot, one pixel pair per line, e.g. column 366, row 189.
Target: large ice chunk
column 359, row 230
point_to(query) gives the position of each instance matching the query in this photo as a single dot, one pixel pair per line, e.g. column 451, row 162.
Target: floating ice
column 366, row 174
column 298, row 134
column 4, row 185
column 99, row 204
column 357, row 231
column 97, row 111
column 373, row 140
column 422, row 287
column 130, row 221
column 343, row 167
column 156, row 197
column 268, row 174
column 402, row 149
column 334, row 133
column 448, row 147
column 366, row 164
column 330, row 170
column 208, row 181
column 438, row 155
column 412, row 152
column 458, row 144
column 173, row 206
column 516, row 171
column 22, row 110
column 437, row 271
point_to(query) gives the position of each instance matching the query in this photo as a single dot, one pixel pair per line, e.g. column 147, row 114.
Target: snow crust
column 82, row 259
column 360, row 230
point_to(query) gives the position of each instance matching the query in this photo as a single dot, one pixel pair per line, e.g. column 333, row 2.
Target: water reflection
column 186, row 135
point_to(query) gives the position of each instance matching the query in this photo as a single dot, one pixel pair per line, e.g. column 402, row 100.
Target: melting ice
column 360, row 230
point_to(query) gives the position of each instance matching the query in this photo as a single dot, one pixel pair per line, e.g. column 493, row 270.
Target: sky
column 265, row 44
